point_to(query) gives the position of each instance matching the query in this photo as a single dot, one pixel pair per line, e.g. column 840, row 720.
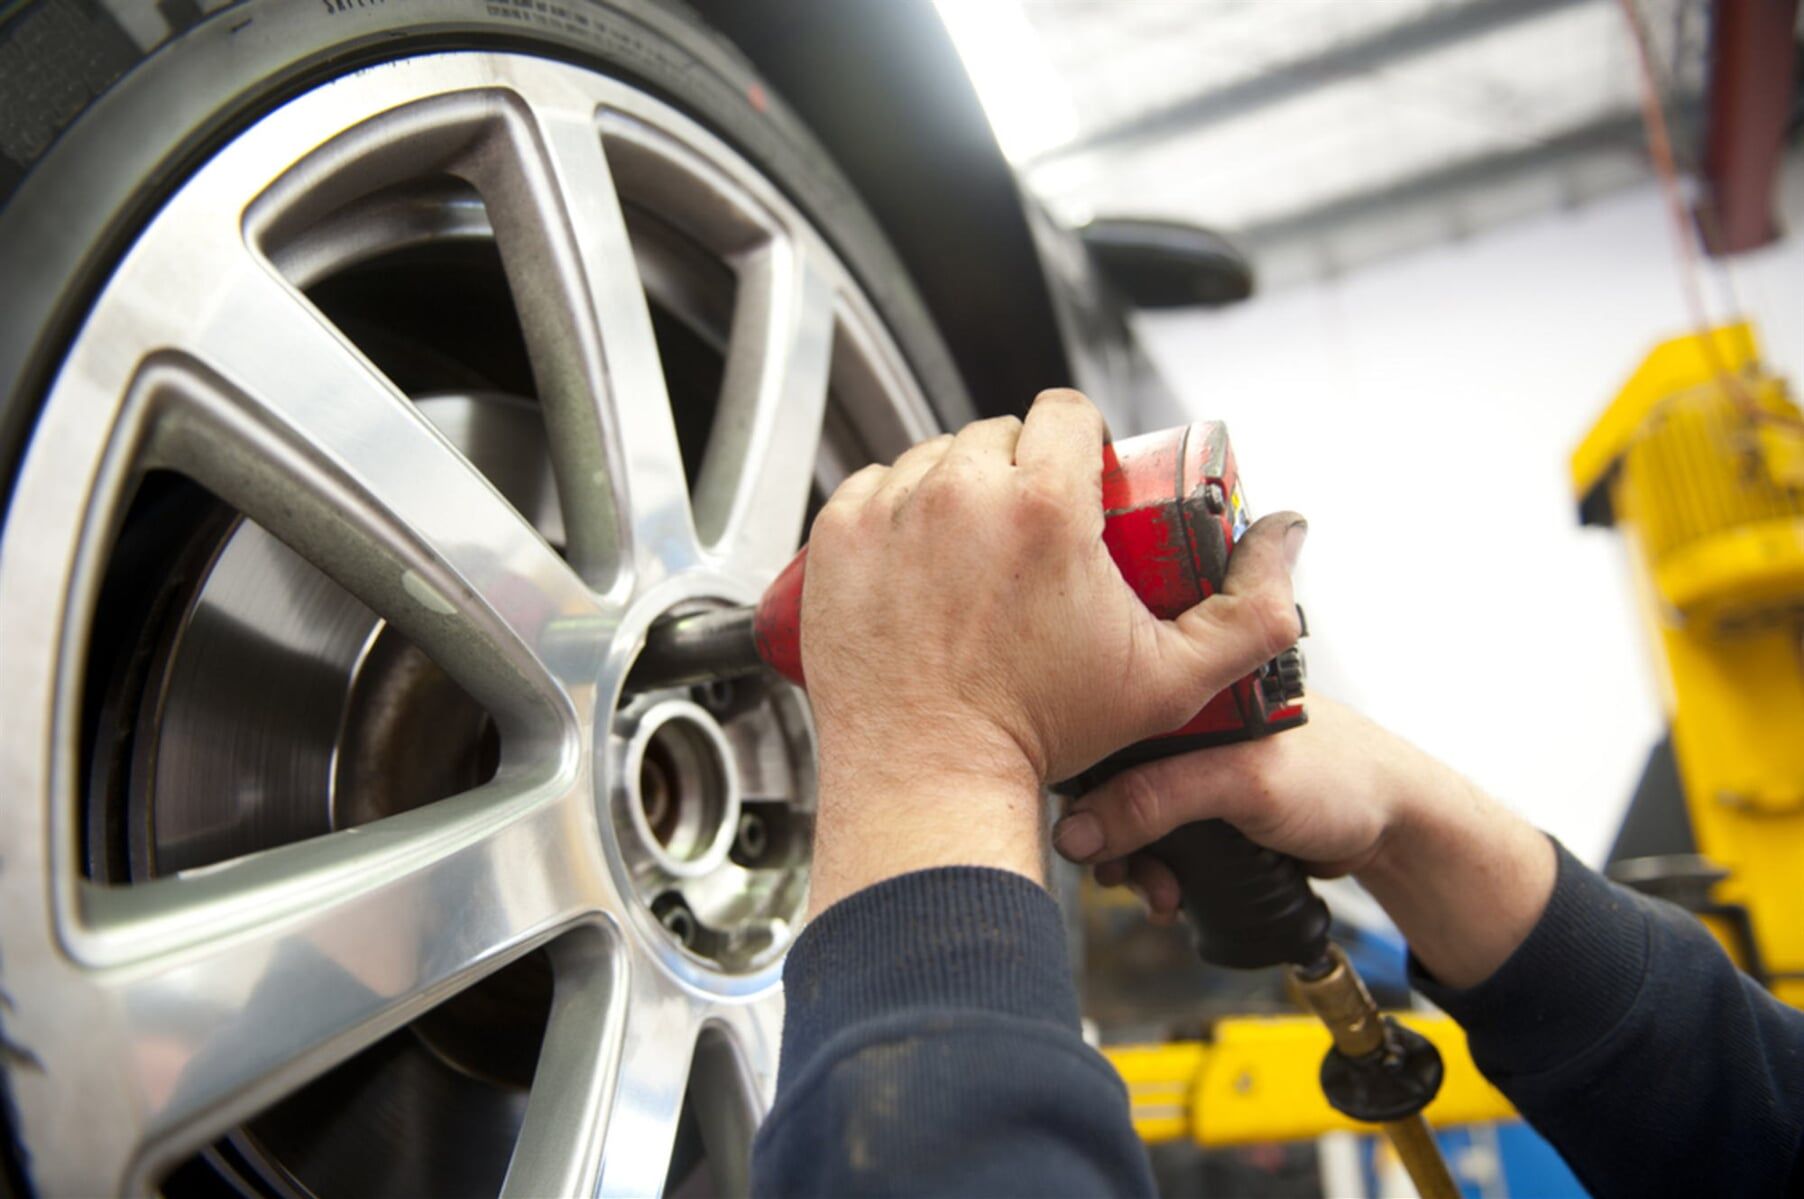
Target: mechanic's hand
column 967, row 638
column 1464, row 877
column 1325, row 793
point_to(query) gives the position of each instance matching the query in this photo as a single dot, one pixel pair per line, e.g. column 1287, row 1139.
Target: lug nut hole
column 680, row 923
column 753, row 838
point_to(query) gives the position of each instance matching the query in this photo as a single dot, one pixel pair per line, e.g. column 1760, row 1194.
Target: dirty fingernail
column 1078, row 836
column 1293, row 542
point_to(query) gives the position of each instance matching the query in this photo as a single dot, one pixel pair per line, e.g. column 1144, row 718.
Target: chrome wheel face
column 317, row 758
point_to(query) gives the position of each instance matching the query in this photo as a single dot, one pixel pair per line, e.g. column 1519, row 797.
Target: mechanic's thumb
column 1138, row 806
column 1251, row 621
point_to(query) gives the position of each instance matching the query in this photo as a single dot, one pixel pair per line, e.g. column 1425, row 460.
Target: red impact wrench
column 1173, row 511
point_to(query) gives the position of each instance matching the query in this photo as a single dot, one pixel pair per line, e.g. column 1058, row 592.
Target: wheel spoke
column 608, row 1092
column 238, row 983
column 559, row 1148
column 656, row 1045
column 278, row 414
column 732, row 1084
column 753, row 491
column 755, row 1028
column 570, row 265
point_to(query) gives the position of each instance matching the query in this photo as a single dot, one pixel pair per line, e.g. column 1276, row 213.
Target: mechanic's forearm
column 1464, row 878
column 1621, row 1030
column 931, row 1047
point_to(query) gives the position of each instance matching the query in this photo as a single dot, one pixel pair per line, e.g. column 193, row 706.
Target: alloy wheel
column 354, row 768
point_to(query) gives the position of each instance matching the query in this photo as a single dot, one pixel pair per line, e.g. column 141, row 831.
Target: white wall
column 1420, row 413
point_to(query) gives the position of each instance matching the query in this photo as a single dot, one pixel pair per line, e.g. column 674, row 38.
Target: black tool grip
column 1248, row 906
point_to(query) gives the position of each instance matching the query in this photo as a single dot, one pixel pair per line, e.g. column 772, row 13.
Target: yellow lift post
column 1699, row 462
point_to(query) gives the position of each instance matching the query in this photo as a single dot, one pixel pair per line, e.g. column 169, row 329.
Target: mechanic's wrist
column 938, row 762
column 1464, row 878
column 1413, row 795
column 884, row 816
column 1414, row 826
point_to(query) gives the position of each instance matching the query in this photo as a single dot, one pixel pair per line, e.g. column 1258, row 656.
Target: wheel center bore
column 713, row 807
column 686, row 793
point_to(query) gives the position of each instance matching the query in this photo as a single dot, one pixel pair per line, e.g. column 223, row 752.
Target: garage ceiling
column 1323, row 132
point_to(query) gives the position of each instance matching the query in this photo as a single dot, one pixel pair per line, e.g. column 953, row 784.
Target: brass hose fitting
column 1378, row 1070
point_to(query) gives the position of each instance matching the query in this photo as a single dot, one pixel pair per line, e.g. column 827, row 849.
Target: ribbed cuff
column 1564, row 988
column 957, row 937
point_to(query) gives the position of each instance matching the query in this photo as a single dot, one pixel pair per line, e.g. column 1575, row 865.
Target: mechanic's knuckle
column 1042, row 503
column 832, row 522
column 1142, row 803
column 1263, row 798
column 856, row 484
column 1064, row 395
column 932, row 447
column 892, row 508
column 949, row 490
column 1259, row 811
column 1274, row 617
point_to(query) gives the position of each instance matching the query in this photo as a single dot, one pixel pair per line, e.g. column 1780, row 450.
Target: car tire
column 105, row 123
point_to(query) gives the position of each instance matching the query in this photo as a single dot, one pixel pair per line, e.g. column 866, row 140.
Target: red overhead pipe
column 1752, row 63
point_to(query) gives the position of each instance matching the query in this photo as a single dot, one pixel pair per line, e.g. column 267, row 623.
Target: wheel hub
column 711, row 847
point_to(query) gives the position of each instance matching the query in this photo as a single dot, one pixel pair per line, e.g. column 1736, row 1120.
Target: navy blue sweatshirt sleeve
column 1625, row 1035
column 931, row 1047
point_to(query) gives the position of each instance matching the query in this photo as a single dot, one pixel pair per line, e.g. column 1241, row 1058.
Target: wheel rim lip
column 39, row 749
